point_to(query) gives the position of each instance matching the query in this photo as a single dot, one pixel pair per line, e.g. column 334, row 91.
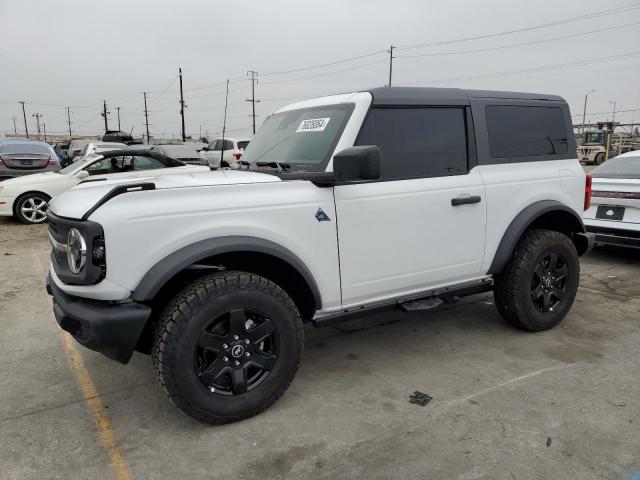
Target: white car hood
column 31, row 179
column 80, row 199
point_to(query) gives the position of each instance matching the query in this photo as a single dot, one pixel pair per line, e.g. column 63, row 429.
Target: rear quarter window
column 526, row 131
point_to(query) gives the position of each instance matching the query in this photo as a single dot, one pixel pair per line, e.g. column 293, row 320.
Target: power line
column 601, row 13
column 325, row 74
column 534, row 42
column 312, row 67
column 532, row 70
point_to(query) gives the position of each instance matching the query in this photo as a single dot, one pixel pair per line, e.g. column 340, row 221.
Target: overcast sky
column 79, row 52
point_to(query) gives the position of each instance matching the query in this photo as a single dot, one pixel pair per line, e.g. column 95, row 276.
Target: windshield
column 303, row 139
column 619, row 167
column 75, row 166
column 594, row 137
column 34, row 148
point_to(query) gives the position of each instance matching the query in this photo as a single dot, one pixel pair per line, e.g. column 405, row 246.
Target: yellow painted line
column 94, row 404
column 92, row 399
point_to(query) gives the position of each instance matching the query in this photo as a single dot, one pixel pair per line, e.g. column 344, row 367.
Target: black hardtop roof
column 168, row 161
column 446, row 96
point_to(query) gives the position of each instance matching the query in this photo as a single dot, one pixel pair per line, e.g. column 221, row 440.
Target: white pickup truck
column 352, row 203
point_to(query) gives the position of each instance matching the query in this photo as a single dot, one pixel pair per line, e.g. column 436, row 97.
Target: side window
column 418, row 142
column 243, row 144
column 526, row 131
column 141, row 162
column 110, row 165
column 228, row 145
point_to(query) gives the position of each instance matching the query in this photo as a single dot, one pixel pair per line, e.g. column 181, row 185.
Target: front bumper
column 6, row 205
column 112, row 329
column 615, row 236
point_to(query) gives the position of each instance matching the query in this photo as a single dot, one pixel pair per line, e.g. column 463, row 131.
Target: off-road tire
column 185, row 318
column 513, row 286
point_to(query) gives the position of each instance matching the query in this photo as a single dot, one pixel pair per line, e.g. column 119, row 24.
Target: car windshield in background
column 243, row 145
column 594, row 137
column 626, row 167
column 303, row 139
column 27, row 148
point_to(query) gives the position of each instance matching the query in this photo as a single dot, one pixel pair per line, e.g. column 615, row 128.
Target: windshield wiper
column 280, row 166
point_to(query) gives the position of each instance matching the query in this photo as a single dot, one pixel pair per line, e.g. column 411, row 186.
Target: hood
column 80, row 199
column 31, row 178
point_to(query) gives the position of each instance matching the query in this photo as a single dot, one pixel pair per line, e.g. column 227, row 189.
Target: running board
column 425, row 301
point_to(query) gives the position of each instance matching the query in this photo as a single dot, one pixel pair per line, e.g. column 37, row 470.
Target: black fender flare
column 168, row 267
column 519, row 225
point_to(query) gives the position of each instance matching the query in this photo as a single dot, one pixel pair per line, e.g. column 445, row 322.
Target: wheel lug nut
column 247, row 354
column 225, row 346
column 236, row 337
column 246, row 341
column 236, row 363
column 226, row 359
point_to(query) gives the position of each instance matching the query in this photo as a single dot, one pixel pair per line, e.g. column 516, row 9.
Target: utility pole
column 224, row 122
column 613, row 118
column 15, row 130
column 182, row 105
column 38, row 116
column 254, row 80
column 146, row 115
column 584, row 111
column 119, row 129
column 391, row 57
column 104, row 114
column 26, row 130
column 44, row 126
column 69, row 120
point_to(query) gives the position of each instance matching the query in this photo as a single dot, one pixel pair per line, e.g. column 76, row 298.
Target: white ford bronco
column 343, row 206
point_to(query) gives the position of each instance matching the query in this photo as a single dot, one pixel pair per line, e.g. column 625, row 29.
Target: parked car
column 95, row 148
column 62, row 149
column 186, row 153
column 26, row 198
column 224, row 152
column 26, row 157
column 614, row 215
column 76, row 147
column 215, row 276
column 117, row 136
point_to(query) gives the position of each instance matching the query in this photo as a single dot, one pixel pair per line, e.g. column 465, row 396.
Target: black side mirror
column 357, row 164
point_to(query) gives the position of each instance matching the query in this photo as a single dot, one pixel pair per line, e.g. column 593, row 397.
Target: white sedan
column 614, row 215
column 27, row 197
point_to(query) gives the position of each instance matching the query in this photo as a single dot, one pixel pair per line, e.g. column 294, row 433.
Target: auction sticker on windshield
column 313, row 125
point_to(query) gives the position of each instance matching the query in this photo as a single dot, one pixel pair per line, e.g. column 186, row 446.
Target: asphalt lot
column 563, row 404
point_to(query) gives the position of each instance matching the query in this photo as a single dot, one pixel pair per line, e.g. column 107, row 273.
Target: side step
column 427, row 301
column 421, row 304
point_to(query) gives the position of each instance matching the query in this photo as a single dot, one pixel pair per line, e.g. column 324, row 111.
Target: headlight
column 76, row 250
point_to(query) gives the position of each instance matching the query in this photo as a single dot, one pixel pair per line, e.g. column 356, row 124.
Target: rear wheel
column 227, row 346
column 539, row 284
column 31, row 208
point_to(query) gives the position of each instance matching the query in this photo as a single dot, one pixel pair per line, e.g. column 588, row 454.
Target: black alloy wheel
column 236, row 352
column 548, row 282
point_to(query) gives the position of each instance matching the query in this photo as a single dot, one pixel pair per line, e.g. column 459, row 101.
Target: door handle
column 465, row 200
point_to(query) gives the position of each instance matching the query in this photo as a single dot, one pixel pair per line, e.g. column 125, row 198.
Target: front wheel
column 31, row 208
column 228, row 346
column 599, row 158
column 539, row 283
